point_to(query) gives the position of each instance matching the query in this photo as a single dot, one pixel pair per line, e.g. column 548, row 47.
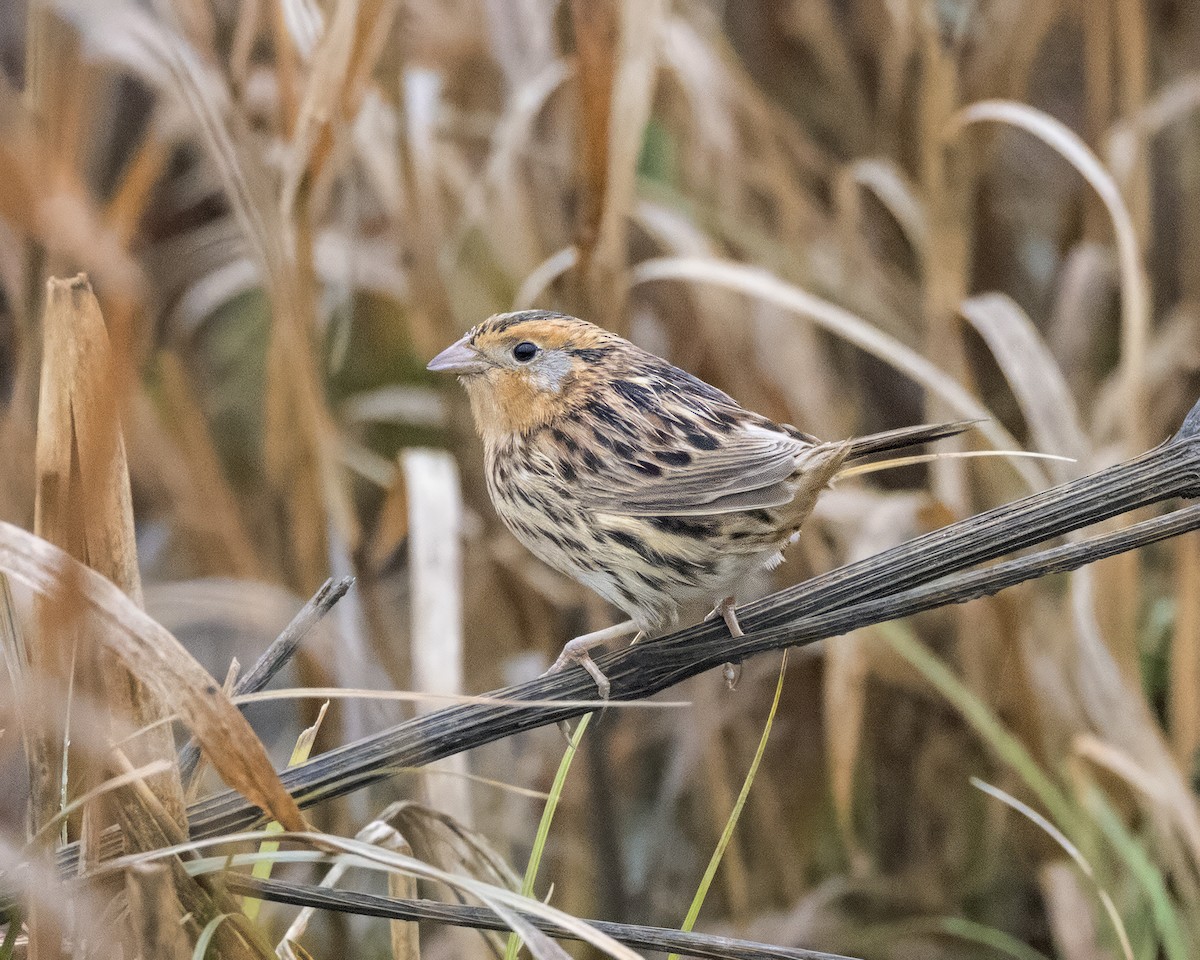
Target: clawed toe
column 584, row 659
column 576, row 651
column 727, row 611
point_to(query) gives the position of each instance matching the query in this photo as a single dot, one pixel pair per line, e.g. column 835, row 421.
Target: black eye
column 525, row 351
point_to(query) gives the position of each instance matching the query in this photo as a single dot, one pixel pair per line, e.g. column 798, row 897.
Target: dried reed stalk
column 84, row 506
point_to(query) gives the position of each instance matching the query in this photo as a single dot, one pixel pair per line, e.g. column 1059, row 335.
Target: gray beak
column 460, row 358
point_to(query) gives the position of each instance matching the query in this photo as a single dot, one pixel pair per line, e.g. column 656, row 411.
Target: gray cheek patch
column 552, row 367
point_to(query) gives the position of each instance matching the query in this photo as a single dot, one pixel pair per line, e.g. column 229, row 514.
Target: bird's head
column 523, row 370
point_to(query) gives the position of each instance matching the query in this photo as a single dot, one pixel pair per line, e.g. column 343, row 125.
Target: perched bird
column 634, row 477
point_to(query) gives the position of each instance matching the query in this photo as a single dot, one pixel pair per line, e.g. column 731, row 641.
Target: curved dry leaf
column 1135, row 284
column 892, row 188
column 1086, row 287
column 1129, row 138
column 1035, row 379
column 156, row 658
column 209, row 293
column 506, row 903
column 538, row 280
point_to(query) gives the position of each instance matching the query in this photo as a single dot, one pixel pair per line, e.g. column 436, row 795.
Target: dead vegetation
column 850, row 214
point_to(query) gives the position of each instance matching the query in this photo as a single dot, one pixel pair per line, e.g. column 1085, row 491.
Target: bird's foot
column 577, row 651
column 581, row 656
column 726, row 610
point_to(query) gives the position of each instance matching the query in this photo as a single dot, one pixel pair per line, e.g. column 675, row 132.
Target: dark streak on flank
column 683, row 527
column 637, row 545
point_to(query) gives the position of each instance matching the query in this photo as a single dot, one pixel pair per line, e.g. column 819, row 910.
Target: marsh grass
column 850, row 215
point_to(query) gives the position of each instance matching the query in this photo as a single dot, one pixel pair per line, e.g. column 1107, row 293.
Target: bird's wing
column 747, row 471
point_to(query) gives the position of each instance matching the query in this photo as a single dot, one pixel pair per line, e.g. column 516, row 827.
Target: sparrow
column 635, row 478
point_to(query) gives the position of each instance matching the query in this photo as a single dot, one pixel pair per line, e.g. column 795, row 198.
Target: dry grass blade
column 597, row 33
column 112, row 783
column 156, row 658
column 660, row 939
column 344, row 58
column 634, row 70
column 1135, row 293
column 516, row 912
column 379, row 831
column 509, row 906
column 1072, row 851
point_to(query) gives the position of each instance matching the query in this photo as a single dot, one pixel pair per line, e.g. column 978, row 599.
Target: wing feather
column 746, row 472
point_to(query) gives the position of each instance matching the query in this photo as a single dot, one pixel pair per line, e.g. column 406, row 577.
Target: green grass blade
column 10, row 935
column 986, row 724
column 262, row 869
column 1146, row 874
column 543, row 830
column 736, row 813
column 1002, row 943
column 998, row 942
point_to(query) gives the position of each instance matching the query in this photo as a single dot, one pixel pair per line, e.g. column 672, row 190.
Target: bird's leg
column 726, row 610
column 576, row 651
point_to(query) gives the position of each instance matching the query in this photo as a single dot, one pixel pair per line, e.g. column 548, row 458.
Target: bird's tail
column 863, row 447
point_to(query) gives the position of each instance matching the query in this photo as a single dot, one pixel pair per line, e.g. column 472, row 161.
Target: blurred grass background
column 849, row 214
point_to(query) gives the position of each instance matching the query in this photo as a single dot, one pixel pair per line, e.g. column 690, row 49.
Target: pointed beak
column 460, row 358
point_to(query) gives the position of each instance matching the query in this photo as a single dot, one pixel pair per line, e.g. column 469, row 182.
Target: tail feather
column 863, row 447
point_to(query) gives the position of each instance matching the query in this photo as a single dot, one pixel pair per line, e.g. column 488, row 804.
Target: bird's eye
column 524, row 351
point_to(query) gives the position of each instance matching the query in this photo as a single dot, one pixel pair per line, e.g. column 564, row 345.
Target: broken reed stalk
column 922, row 574
column 639, row 937
column 83, row 504
column 274, row 658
